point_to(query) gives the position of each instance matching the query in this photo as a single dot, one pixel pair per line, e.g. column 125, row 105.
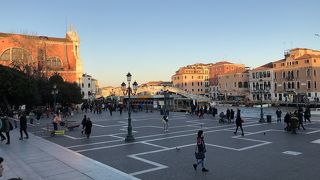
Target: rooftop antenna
column 66, row 24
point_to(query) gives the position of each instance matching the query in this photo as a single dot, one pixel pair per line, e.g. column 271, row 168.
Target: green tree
column 16, row 88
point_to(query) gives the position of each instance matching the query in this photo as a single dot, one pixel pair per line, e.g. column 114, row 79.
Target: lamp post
column 54, row 92
column 262, row 90
column 128, row 91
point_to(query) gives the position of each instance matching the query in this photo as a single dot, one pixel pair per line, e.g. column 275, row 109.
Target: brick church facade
column 48, row 54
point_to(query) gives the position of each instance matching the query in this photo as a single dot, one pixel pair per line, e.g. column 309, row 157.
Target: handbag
column 199, row 155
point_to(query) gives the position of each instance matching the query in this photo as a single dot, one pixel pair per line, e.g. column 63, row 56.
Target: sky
column 152, row 39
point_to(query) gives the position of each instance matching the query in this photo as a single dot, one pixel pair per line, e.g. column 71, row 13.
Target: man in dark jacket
column 23, row 126
column 88, row 127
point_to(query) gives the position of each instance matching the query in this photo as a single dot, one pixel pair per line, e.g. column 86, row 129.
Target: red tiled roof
column 265, row 66
column 39, row 37
column 279, row 61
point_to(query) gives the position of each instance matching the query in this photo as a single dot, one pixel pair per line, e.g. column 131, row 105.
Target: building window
column 275, row 86
column 191, row 77
column 297, row 73
column 283, row 75
column 198, row 90
column 268, row 73
column 284, row 86
column 292, row 85
column 192, row 90
column 185, row 84
column 308, row 72
column 53, row 62
column 315, row 85
column 88, row 85
column 309, row 94
column 192, row 84
column 314, row 72
column 275, row 75
column 185, row 77
column 245, row 84
column 240, row 84
column 253, row 75
column 309, row 84
column 16, row 55
column 235, row 84
column 298, row 85
column 82, row 85
column 306, row 61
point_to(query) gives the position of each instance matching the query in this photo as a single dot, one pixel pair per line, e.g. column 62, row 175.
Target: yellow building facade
column 296, row 77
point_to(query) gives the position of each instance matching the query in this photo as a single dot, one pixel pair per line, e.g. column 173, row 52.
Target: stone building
column 234, row 86
column 262, row 83
column 44, row 55
column 220, row 68
column 296, row 77
column 192, row 79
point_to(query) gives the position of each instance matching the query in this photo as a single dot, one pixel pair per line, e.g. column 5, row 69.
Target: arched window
column 5, row 56
column 16, row 55
column 53, row 62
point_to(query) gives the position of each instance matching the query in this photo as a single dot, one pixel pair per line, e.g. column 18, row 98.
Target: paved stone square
column 266, row 151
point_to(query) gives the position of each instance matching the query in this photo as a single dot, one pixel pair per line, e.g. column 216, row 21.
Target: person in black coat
column 23, row 126
column 300, row 119
column 88, row 127
column 239, row 122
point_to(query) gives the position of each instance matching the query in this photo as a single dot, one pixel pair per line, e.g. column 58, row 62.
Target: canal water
column 255, row 111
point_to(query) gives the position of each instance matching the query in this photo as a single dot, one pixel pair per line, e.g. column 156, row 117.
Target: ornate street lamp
column 165, row 100
column 129, row 91
column 262, row 90
column 54, row 92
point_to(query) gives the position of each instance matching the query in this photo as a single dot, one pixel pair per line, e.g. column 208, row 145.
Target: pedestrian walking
column 307, row 115
column 56, row 121
column 120, row 109
column 228, row 115
column 6, row 127
column 300, row 119
column 23, row 126
column 83, row 123
column 110, row 109
column 200, row 152
column 232, row 115
column 165, row 121
column 293, row 122
column 239, row 122
column 88, row 127
column 287, row 121
column 278, row 113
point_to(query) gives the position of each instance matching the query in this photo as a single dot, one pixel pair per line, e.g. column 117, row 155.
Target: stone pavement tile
column 50, row 168
column 69, row 175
